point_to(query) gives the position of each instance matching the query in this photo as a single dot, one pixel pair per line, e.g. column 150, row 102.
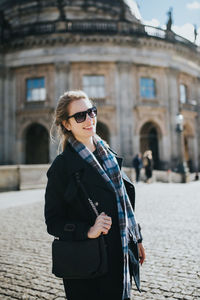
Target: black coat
column 68, row 214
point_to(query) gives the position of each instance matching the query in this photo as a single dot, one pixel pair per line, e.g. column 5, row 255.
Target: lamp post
column 182, row 165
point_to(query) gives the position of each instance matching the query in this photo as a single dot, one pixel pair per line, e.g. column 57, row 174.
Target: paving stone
column 169, row 215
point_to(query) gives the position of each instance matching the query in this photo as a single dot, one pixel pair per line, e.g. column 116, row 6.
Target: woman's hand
column 142, row 254
column 102, row 225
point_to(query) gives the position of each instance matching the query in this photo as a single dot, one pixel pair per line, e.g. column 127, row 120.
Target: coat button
column 69, row 227
column 96, row 204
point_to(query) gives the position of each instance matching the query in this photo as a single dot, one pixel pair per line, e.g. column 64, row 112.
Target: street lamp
column 179, row 122
column 182, row 165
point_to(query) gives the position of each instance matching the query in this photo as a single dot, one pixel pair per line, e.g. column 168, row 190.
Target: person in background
column 137, row 164
column 148, row 165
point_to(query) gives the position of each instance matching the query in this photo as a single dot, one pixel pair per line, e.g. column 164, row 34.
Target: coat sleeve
column 55, row 207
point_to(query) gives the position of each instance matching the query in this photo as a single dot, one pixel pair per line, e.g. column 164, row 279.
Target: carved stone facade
column 63, row 43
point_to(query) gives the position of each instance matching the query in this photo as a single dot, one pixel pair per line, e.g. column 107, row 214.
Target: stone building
column 139, row 76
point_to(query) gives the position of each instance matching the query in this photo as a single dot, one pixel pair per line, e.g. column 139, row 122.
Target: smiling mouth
column 89, row 127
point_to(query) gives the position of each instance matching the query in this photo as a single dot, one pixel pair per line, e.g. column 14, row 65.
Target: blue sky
column 185, row 14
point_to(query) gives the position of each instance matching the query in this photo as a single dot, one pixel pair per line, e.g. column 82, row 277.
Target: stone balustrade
column 24, row 177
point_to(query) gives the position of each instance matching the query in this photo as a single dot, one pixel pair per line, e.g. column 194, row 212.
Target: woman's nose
column 88, row 118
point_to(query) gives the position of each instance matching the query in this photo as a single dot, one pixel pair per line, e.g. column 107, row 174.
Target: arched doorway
column 149, row 140
column 103, row 131
column 36, row 145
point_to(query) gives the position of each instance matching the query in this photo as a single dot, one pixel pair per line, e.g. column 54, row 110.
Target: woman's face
column 86, row 129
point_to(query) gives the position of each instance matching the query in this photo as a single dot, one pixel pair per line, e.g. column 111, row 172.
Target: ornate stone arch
column 36, row 144
column 24, row 125
column 158, row 124
column 107, row 117
column 103, row 131
column 150, row 135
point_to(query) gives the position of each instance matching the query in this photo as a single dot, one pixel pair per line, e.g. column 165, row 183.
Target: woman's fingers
column 102, row 225
column 142, row 254
column 105, row 219
column 103, row 216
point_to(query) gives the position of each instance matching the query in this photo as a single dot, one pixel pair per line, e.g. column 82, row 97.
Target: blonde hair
column 61, row 114
column 148, row 153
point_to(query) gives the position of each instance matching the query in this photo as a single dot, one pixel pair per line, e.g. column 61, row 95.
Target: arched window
column 183, row 93
column 37, row 145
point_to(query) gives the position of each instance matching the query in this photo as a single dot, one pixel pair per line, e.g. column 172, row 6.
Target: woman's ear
column 66, row 125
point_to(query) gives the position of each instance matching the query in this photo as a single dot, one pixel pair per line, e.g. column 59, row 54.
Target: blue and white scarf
column 111, row 174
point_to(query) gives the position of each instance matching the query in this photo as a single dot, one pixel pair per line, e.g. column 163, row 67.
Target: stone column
column 53, row 150
column 198, row 122
column 173, row 108
column 9, row 119
column 124, row 98
column 193, row 146
column 135, row 95
column 196, row 142
column 165, row 142
column 2, row 77
column 62, row 73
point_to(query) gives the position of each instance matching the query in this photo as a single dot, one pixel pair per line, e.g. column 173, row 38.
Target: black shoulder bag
column 80, row 259
column 134, row 266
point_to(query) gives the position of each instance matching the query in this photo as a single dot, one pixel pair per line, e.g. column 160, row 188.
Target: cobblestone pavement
column 170, row 218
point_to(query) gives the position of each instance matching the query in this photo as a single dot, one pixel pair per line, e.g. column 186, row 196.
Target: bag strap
column 77, row 177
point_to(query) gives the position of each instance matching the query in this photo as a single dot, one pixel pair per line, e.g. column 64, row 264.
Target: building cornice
column 24, row 112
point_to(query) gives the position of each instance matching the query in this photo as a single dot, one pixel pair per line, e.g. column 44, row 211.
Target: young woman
column 67, row 212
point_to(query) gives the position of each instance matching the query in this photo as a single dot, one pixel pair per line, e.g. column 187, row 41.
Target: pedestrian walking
column 137, row 164
column 148, row 165
column 84, row 178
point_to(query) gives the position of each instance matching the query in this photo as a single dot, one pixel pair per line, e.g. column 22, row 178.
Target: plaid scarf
column 111, row 174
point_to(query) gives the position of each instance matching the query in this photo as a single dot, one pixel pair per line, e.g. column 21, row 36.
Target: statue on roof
column 169, row 22
column 60, row 6
column 195, row 33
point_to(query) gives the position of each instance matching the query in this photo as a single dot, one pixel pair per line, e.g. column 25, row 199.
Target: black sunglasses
column 81, row 116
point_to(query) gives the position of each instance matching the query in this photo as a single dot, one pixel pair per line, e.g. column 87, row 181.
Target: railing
column 91, row 27
column 32, row 29
column 155, row 31
column 167, row 35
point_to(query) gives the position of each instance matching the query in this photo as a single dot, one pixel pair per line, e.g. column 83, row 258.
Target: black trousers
column 102, row 288
column 137, row 171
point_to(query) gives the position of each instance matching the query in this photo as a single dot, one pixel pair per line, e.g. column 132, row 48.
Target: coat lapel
column 87, row 173
column 119, row 160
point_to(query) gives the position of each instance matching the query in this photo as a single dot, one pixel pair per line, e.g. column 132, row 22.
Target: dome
column 23, row 18
column 28, row 11
column 134, row 8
